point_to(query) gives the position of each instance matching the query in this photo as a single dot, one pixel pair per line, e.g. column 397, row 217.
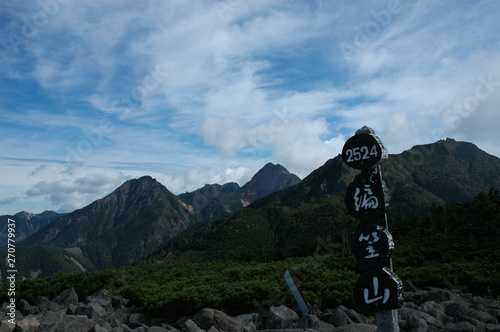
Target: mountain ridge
column 141, row 215
column 285, row 221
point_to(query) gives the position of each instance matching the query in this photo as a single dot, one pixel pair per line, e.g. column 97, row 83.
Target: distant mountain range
column 274, row 215
column 311, row 215
column 140, row 216
column 26, row 224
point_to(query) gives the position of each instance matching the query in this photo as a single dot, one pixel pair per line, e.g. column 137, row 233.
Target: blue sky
column 93, row 93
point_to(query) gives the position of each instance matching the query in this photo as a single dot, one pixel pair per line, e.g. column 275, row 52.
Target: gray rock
column 118, row 301
column 433, row 294
column 6, row 326
column 190, row 326
column 116, row 319
column 125, row 328
column 249, row 321
column 59, row 322
column 91, row 310
column 307, row 322
column 280, row 318
column 311, row 322
column 408, row 286
column 160, row 329
column 357, row 327
column 116, row 329
column 461, row 310
column 492, row 328
column 98, row 328
column 105, row 302
column 66, row 298
column 336, row 317
column 434, row 309
column 460, row 327
column 87, row 322
column 140, row 329
column 28, row 324
column 44, row 304
column 137, row 320
column 207, row 318
column 354, row 316
column 412, row 316
column 26, row 309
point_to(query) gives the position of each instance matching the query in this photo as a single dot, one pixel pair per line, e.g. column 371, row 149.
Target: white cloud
column 70, row 194
column 197, row 92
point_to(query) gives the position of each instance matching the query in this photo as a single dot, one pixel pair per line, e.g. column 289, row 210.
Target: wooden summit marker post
column 378, row 290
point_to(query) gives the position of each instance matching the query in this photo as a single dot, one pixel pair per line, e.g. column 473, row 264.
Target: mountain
column 269, row 179
column 311, row 214
column 215, row 200
column 43, row 261
column 120, row 228
column 142, row 215
column 26, row 224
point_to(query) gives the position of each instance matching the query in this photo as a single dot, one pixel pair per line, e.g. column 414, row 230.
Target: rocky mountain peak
column 267, row 180
column 25, row 215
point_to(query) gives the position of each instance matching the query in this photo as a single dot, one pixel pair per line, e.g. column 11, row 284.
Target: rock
column 354, row 316
column 307, row 322
column 191, row 326
column 98, row 328
column 434, row 309
column 312, row 322
column 336, row 317
column 413, row 317
column 87, row 322
column 137, row 320
column 249, row 321
column 460, row 327
column 357, row 327
column 66, row 298
column 116, row 319
column 433, row 294
column 6, row 326
column 91, row 310
column 28, row 324
column 408, row 286
column 207, row 318
column 460, row 310
column 26, row 309
column 103, row 301
column 59, row 322
column 280, row 318
column 44, row 304
column 160, row 329
column 118, row 301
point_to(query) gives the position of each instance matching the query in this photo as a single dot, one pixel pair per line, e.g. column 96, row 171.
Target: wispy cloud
column 194, row 92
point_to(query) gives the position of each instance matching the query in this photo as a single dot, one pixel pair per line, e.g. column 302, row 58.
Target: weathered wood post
column 378, row 290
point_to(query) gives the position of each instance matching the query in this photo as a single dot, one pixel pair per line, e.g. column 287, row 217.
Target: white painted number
column 361, row 153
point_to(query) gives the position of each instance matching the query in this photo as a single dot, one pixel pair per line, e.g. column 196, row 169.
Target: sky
column 96, row 92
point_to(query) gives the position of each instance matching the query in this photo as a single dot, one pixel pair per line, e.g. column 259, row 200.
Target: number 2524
column 361, row 153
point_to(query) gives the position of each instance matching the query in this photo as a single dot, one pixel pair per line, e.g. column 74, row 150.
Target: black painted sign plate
column 364, row 151
column 365, row 197
column 372, row 245
column 378, row 290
